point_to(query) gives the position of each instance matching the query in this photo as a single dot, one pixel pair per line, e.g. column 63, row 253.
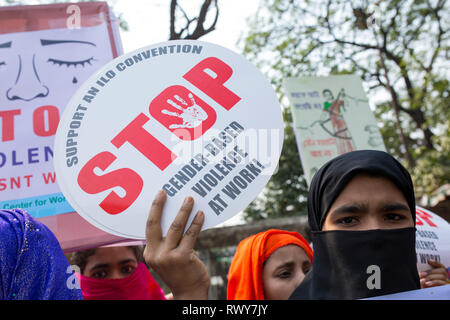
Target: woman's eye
column 100, row 274
column 394, row 217
column 347, row 220
column 284, row 274
column 128, row 270
column 2, row 63
column 306, row 268
column 71, row 63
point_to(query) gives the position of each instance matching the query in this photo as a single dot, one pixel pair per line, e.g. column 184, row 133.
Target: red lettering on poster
column 45, row 115
column 7, row 121
column 422, row 215
column 210, row 75
column 144, row 142
column 49, row 177
column 176, row 108
column 125, row 178
column 15, row 182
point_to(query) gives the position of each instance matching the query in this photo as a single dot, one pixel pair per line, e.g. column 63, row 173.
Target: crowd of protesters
column 361, row 213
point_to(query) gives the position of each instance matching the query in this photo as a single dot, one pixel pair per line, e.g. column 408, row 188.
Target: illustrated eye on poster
column 196, row 131
column 46, row 53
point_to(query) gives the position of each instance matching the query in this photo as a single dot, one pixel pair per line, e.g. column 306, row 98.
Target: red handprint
column 187, row 121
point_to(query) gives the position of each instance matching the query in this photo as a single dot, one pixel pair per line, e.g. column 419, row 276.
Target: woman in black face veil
column 361, row 211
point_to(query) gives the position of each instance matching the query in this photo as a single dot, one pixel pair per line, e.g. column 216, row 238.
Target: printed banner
column 432, row 239
column 46, row 53
column 331, row 116
column 188, row 117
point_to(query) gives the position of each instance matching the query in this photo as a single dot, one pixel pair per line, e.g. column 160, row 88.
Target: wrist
column 199, row 292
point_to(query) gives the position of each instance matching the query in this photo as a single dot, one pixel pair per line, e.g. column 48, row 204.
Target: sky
column 148, row 21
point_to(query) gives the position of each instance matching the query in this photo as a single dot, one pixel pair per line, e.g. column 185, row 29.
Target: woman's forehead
column 288, row 253
column 371, row 185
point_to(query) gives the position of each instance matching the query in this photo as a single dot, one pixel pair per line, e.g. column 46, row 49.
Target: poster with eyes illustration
column 46, row 53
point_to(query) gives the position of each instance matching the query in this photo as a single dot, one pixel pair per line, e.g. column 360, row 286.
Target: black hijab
column 343, row 259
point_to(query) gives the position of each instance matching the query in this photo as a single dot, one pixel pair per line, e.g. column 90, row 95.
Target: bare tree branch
column 200, row 29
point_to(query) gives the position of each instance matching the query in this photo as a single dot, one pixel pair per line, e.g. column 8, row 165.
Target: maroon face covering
column 140, row 285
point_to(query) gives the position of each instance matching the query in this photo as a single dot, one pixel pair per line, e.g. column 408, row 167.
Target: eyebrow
column 105, row 265
column 394, row 207
column 285, row 265
column 46, row 42
column 361, row 208
column 127, row 261
column 6, row 44
column 99, row 266
column 350, row 208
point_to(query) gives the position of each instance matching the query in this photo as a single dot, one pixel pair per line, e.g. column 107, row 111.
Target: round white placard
column 189, row 117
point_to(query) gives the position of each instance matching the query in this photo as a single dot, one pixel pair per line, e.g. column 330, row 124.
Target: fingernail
column 198, row 217
column 188, row 200
column 160, row 194
column 423, row 274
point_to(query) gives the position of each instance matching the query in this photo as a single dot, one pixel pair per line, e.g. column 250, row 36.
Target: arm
column 173, row 258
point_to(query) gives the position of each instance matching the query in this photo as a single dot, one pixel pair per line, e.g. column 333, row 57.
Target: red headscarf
column 140, row 285
column 245, row 273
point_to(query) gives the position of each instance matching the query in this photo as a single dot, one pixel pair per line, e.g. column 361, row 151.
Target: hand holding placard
column 173, row 258
column 436, row 276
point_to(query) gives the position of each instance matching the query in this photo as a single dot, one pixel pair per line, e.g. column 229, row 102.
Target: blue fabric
column 32, row 263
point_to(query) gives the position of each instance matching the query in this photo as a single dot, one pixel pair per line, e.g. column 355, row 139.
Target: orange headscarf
column 245, row 273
